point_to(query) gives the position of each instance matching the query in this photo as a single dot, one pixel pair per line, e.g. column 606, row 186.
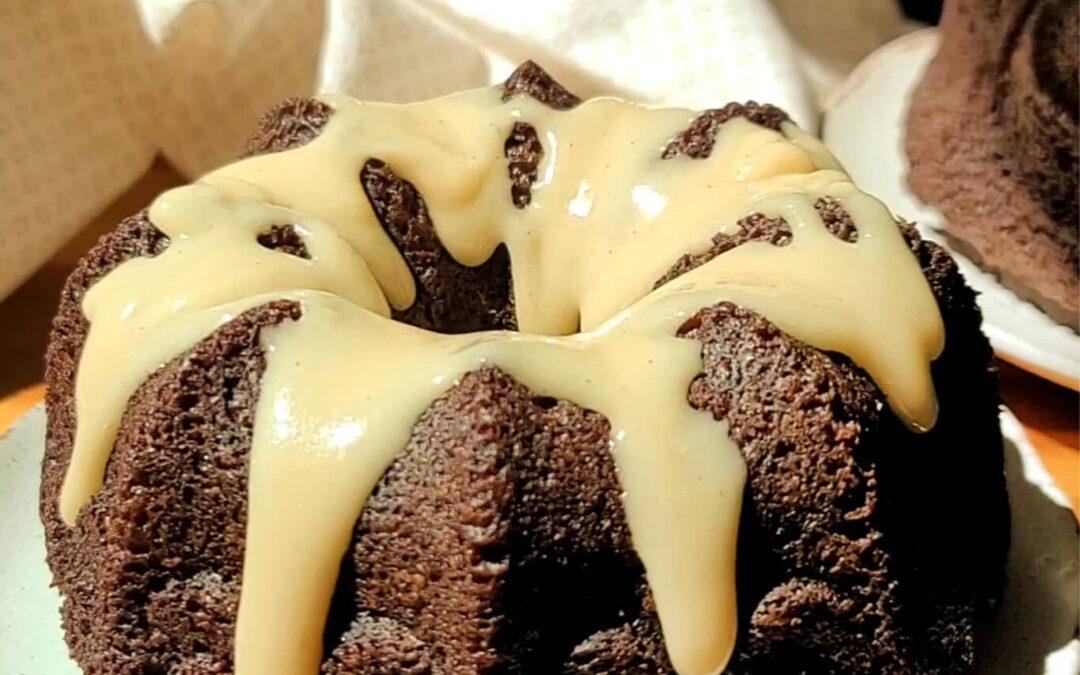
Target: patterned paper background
column 92, row 90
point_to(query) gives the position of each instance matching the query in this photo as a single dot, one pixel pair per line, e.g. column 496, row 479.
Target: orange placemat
column 15, row 406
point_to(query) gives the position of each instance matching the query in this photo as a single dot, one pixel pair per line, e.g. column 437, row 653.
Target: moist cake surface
column 510, row 528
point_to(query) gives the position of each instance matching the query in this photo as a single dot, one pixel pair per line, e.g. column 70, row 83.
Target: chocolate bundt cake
column 509, row 382
column 994, row 143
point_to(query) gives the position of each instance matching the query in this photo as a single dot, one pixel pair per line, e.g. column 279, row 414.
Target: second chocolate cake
column 993, row 137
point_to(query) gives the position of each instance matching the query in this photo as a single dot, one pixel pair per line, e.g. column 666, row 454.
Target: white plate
column 1033, row 634
column 864, row 127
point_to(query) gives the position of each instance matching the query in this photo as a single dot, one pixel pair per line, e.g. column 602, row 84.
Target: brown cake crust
column 496, row 542
column 994, row 143
column 441, row 282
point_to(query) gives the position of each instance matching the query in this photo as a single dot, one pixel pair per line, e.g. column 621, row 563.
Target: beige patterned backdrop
column 92, row 90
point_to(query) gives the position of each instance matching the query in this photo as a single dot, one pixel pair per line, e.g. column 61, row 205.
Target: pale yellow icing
column 344, row 384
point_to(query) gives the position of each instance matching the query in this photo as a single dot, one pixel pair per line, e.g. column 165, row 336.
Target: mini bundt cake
column 993, row 137
column 500, row 383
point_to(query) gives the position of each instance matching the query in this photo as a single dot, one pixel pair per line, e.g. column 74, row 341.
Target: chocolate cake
column 993, row 140
column 498, row 538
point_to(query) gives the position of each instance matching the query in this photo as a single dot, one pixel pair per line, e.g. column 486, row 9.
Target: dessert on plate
column 993, row 142
column 512, row 382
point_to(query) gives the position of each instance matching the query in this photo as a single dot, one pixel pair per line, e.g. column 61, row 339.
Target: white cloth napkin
column 92, row 90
